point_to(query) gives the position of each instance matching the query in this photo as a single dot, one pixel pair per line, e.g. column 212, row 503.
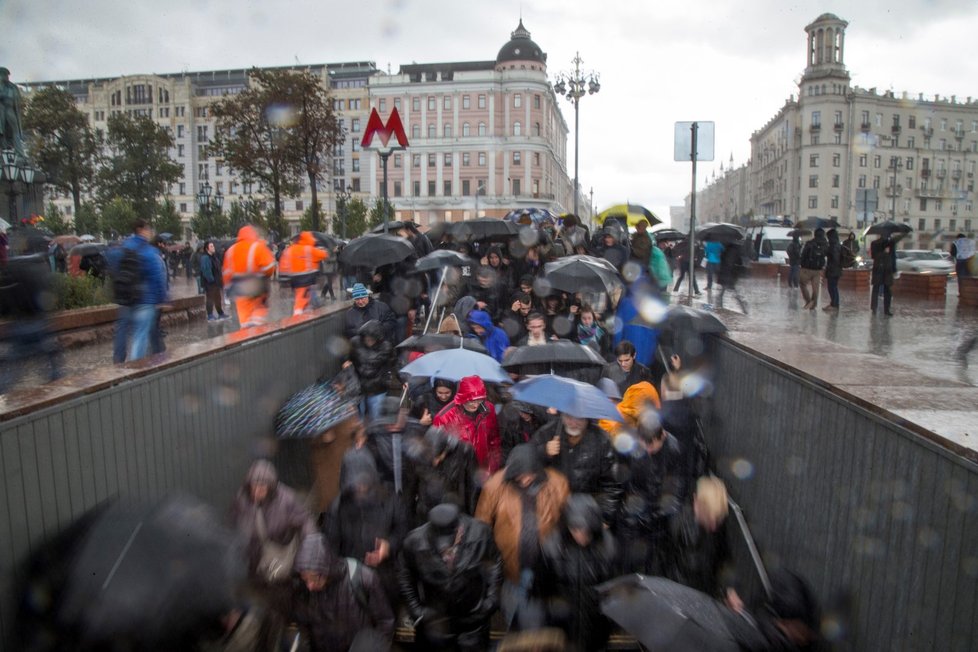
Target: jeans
column 374, row 404
column 875, row 296
column 143, row 324
column 120, row 340
column 682, row 275
column 961, row 267
column 833, row 284
column 794, row 276
column 711, row 270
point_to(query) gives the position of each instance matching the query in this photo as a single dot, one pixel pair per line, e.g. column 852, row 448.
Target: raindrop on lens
column 794, row 465
column 631, row 271
column 529, row 236
column 338, row 346
column 742, row 469
column 624, row 443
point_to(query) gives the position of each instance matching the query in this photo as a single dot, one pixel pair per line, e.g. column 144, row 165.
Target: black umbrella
column 151, row 574
column 376, row 250
column 582, row 274
column 483, row 228
column 818, row 223
column 665, row 616
column 395, row 225
column 666, row 235
column 889, row 227
column 720, row 232
column 88, row 249
column 800, row 233
column 678, row 317
column 440, row 258
column 559, row 352
column 438, row 341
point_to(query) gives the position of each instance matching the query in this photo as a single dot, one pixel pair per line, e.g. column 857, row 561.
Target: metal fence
column 883, row 521
column 193, row 427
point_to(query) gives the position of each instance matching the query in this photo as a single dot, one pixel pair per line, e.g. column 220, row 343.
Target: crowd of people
column 443, row 506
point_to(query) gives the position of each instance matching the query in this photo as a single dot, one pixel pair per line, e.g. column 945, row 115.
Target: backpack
column 813, row 255
column 127, row 280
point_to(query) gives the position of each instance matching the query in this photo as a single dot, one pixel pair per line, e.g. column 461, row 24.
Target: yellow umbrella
column 631, row 214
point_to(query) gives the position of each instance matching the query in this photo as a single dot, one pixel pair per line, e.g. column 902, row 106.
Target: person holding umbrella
column 473, row 419
column 883, row 252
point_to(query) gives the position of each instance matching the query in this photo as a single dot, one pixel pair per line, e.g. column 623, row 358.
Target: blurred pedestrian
column 812, row 263
column 833, row 270
column 365, row 308
column 213, row 282
column 447, row 473
column 25, row 300
column 492, row 337
column 793, row 253
column 625, row 371
column 642, row 243
column 373, row 358
column 300, row 262
column 248, row 267
column 682, row 252
column 962, row 251
column 713, row 252
column 697, row 549
column 883, row 252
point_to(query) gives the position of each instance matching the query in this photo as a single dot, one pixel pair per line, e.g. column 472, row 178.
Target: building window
column 536, row 158
column 181, row 154
column 466, row 159
column 835, row 180
column 923, row 204
column 431, row 131
column 447, row 103
column 201, row 151
column 447, row 190
column 876, row 181
column 943, row 127
column 183, row 207
column 482, row 128
column 910, row 142
column 355, row 125
column 861, row 181
column 337, row 105
column 431, row 188
column 466, row 102
column 415, row 103
column 482, row 101
column 397, row 103
column 835, row 201
column 183, row 188
column 909, row 162
column 863, row 160
column 813, row 161
column 355, row 184
column 382, row 104
column 466, row 188
column 397, row 160
column 517, row 129
column 516, row 187
column 816, row 118
column 416, row 161
column 417, row 189
column 179, row 131
column 298, row 205
column 836, row 160
column 447, row 130
column 814, row 139
column 813, row 201
column 448, row 160
column 431, row 103
column 466, row 131
column 877, row 161
column 517, row 101
column 879, row 119
column 415, row 131
column 536, row 129
column 536, row 101
column 912, row 121
column 516, row 158
column 397, row 188
column 356, row 165
column 922, row 223
column 939, row 206
column 432, row 160
column 937, row 224
column 813, row 181
column 482, row 159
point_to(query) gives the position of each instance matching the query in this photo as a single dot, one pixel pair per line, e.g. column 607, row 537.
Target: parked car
column 920, row 260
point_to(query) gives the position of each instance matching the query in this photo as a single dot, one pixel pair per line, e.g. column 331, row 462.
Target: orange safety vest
column 248, row 257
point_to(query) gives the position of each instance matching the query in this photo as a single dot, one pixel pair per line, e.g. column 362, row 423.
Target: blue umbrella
column 568, row 396
column 456, row 364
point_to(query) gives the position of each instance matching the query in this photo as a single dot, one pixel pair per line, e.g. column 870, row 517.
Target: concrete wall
column 192, row 423
column 882, row 518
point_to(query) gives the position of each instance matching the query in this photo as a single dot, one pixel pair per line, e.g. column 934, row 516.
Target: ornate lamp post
column 206, row 203
column 15, row 169
column 343, row 202
column 574, row 86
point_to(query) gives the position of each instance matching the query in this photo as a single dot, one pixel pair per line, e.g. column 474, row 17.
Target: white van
column 770, row 244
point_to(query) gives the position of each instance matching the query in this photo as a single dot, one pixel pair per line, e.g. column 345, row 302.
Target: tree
column 377, row 213
column 210, row 224
column 137, row 166
column 61, row 142
column 55, row 220
column 253, row 135
column 87, row 220
column 117, row 218
column 244, row 212
column 168, row 220
column 308, row 223
column 356, row 218
column 317, row 131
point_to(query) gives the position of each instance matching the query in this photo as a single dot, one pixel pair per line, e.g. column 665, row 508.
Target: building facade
column 861, row 156
column 485, row 137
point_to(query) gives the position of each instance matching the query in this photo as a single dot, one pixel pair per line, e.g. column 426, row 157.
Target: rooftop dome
column 521, row 48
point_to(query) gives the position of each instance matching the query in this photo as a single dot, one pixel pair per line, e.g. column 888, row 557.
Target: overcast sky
column 660, row 62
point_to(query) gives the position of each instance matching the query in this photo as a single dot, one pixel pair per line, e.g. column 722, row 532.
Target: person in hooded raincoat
column 577, row 557
column 301, row 262
column 492, row 337
column 248, row 266
column 472, row 418
column 335, row 606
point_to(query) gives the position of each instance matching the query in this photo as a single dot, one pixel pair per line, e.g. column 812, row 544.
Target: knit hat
column 359, row 291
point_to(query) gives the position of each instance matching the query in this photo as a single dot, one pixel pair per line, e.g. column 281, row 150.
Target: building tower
column 826, row 50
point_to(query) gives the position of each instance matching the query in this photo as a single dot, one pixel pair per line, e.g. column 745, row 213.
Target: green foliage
column 244, row 212
column 117, row 218
column 277, row 227
column 55, row 220
column 377, row 213
column 355, row 212
column 137, row 166
column 79, row 292
column 87, row 220
column 61, row 141
column 168, row 220
column 210, row 224
column 305, row 222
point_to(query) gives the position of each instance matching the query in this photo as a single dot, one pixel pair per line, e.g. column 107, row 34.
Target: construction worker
column 248, row 266
column 300, row 262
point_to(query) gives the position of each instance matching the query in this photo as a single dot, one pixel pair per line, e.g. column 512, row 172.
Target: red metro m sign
column 378, row 136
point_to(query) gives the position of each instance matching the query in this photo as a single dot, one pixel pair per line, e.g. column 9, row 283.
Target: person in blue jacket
column 493, row 338
column 714, row 251
column 139, row 317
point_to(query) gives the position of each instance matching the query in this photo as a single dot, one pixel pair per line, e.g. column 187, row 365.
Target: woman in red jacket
column 470, row 418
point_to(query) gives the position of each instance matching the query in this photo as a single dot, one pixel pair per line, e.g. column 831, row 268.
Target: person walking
column 472, row 419
column 883, row 251
column 139, row 287
column 366, row 308
column 642, row 243
column 962, row 250
column 373, row 358
column 248, row 266
column 213, row 282
column 301, row 261
column 833, row 270
column 812, row 262
column 793, row 253
column 682, row 252
column 714, row 250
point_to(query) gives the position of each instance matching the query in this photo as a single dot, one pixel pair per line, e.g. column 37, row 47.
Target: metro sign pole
column 377, row 130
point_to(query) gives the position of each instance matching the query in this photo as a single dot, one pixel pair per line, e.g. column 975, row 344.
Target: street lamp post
column 15, row 169
column 478, row 191
column 574, row 86
column 206, row 203
column 344, row 196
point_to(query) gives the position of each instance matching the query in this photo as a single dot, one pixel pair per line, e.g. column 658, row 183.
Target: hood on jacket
column 314, row 555
column 635, row 399
column 833, row 236
column 248, row 233
column 498, row 250
column 372, row 328
column 463, row 307
column 262, row 471
column 438, row 440
column 357, row 471
column 582, row 512
column 470, row 388
column 306, row 238
column 523, row 459
column 450, row 325
column 480, row 318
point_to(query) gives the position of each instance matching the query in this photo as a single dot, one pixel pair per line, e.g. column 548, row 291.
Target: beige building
column 860, row 155
column 485, row 137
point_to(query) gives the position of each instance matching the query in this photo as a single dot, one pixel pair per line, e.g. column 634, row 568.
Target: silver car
column 920, row 260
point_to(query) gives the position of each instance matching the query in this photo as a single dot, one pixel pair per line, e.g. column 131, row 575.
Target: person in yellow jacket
column 248, row 266
column 300, row 262
column 632, row 404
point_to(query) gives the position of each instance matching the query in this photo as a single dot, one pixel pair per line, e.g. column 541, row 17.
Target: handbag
column 276, row 559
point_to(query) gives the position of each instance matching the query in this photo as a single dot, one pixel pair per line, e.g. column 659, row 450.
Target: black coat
column 589, row 466
column 884, row 262
column 468, row 593
column 452, row 481
column 357, row 317
column 694, row 557
column 833, row 260
column 637, row 374
column 373, row 364
column 655, row 486
column 513, row 430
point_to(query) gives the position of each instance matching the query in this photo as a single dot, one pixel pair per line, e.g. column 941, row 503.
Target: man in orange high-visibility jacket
column 248, row 266
column 300, row 262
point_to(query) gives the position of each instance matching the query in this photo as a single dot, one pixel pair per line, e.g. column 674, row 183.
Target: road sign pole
column 691, row 243
column 383, row 159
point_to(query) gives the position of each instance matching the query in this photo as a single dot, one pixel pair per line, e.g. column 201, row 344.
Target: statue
column 11, row 136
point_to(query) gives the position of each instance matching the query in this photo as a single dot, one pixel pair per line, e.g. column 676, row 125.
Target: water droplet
column 794, row 465
column 625, row 443
column 742, row 469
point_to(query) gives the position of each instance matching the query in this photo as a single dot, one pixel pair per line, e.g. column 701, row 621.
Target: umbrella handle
column 434, row 301
column 752, row 547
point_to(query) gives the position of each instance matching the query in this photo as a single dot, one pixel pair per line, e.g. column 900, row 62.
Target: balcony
column 815, row 127
column 865, row 127
column 838, row 126
column 941, row 173
column 895, row 130
column 925, row 173
column 894, row 191
column 959, row 133
column 928, row 131
column 931, row 193
column 955, row 174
